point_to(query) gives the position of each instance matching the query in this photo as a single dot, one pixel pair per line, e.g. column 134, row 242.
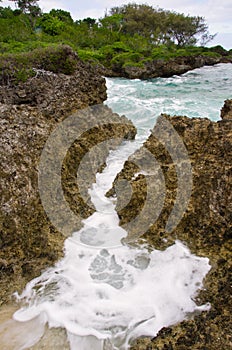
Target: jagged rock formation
column 29, row 242
column 57, row 93
column 162, row 68
column 205, row 226
column 226, row 111
column 29, row 113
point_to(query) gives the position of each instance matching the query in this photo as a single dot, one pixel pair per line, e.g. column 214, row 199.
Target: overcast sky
column 218, row 13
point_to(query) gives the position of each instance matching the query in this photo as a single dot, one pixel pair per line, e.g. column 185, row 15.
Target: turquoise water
column 198, row 93
column 92, row 292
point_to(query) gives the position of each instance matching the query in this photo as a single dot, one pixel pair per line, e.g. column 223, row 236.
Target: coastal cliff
column 30, row 112
column 163, row 68
column 205, row 227
column 29, row 242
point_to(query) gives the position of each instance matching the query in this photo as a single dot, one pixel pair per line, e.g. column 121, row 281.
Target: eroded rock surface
column 226, row 111
column 30, row 112
column 161, row 68
column 205, row 227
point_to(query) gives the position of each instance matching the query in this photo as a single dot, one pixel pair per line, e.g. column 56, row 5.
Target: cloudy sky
column 218, row 13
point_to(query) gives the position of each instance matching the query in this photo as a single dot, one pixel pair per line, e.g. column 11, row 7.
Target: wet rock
column 29, row 113
column 205, row 226
column 162, row 68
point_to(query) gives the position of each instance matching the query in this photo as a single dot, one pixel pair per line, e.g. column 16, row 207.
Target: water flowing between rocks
column 105, row 293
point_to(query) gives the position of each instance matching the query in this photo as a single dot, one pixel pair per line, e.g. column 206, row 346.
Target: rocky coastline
column 29, row 112
column 205, row 227
column 29, row 243
column 164, row 69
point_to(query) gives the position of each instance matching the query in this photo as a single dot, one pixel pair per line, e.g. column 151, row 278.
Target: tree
column 136, row 19
column 113, row 22
column 161, row 27
column 89, row 21
column 206, row 38
column 29, row 8
column 6, row 12
column 51, row 25
column 184, row 30
column 62, row 15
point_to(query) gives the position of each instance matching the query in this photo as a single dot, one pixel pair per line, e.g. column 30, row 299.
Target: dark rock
column 162, row 68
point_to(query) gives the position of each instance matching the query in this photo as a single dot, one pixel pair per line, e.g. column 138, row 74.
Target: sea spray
column 107, row 297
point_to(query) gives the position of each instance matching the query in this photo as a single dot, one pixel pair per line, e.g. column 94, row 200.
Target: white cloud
column 46, row 6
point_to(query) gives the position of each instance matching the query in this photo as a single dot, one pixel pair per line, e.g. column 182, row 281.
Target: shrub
column 60, row 59
column 211, row 54
column 161, row 53
column 109, row 51
column 165, row 53
column 219, row 49
column 119, row 60
column 19, row 47
column 90, row 55
column 19, row 67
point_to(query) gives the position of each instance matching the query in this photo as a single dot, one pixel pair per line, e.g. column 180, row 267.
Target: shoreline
column 161, row 69
column 26, row 251
column 28, row 240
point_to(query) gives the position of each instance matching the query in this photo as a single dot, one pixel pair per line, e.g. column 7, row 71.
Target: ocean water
column 199, row 93
column 106, row 293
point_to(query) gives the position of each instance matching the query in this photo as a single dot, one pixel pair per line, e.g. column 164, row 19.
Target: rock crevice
column 30, row 112
column 205, row 226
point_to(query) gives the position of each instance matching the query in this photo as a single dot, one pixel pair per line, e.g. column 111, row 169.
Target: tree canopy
column 29, row 7
column 160, row 26
column 128, row 35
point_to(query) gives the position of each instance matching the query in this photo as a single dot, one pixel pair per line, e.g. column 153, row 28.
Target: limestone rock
column 161, row 68
column 30, row 113
column 226, row 111
column 205, row 227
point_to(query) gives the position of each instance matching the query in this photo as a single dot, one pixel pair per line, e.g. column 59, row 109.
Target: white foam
column 104, row 298
column 209, row 86
column 102, row 228
column 116, row 294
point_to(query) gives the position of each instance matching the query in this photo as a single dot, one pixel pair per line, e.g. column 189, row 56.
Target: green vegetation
column 18, row 67
column 129, row 35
